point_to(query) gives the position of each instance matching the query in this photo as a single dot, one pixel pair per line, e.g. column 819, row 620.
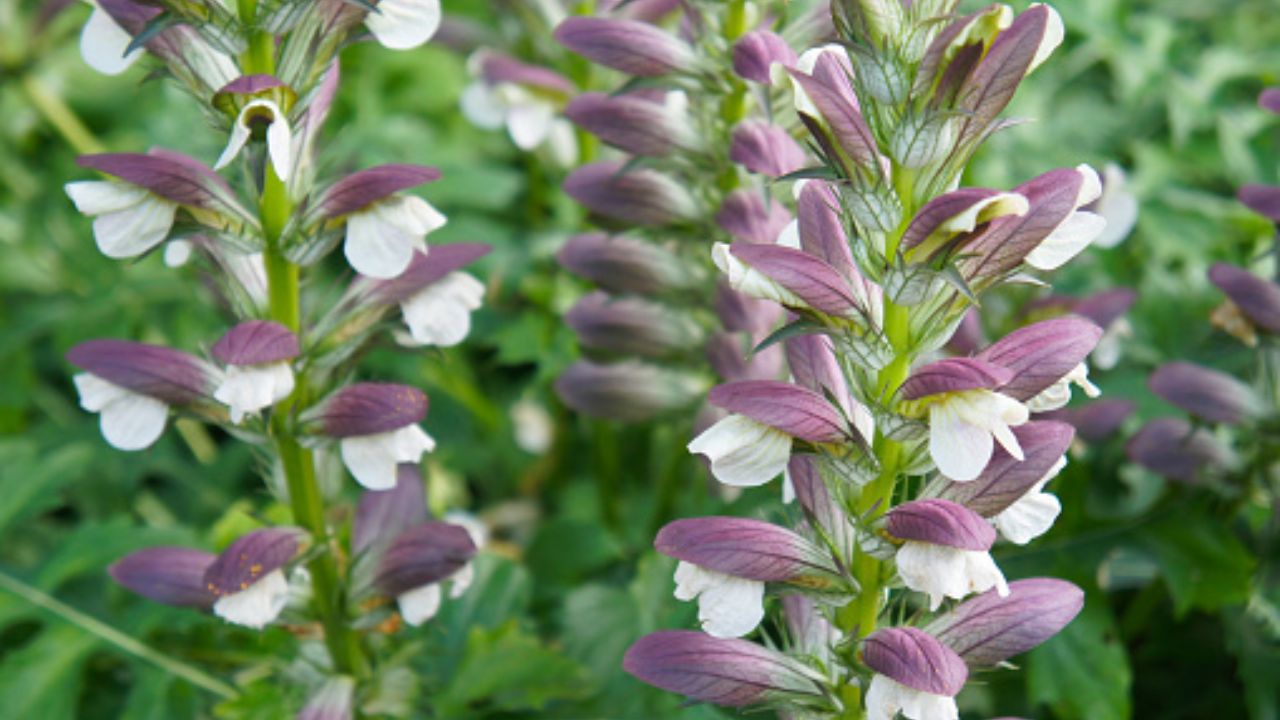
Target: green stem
column 127, row 643
column 61, row 116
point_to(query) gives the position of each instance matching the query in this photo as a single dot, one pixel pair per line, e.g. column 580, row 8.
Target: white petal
column 936, row 570
column 728, row 606
column 134, row 230
column 134, row 421
column 96, row 393
column 534, row 428
column 982, row 573
column 440, row 313
column 235, row 143
column 530, row 123
column 887, row 697
column 404, row 24
column 482, row 107
column 749, row 281
column 1090, row 185
column 382, row 237
column 1118, row 205
column 1067, row 240
column 249, row 388
column 984, row 210
column 461, row 580
column 960, row 449
column 1053, row 35
column 372, row 459
column 280, row 146
column 95, row 197
column 256, row 606
column 789, row 236
column 419, row 604
column 1028, row 518
column 788, row 487
column 177, row 253
column 103, row 43
column 743, row 452
column 563, row 142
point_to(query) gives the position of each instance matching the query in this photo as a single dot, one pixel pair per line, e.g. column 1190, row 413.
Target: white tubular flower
column 404, row 24
column 1058, row 394
column 1033, row 514
column 728, row 606
column 440, row 313
column 945, row 550
column 103, row 43
column 257, row 355
column 256, row 606
column 382, row 237
column 1118, row 205
column 1076, row 232
column 129, row 420
column 526, row 99
column 743, row 452
column 247, row 390
column 419, row 604
column 963, row 425
column 279, row 136
column 887, row 697
column 127, row 220
column 372, row 459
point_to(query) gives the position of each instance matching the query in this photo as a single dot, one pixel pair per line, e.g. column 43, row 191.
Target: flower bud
column 1262, row 199
column 632, row 326
column 954, row 214
column 975, row 31
column 724, row 671
column 423, row 554
column 764, row 148
column 990, row 629
column 756, row 54
column 376, row 425
column 257, row 355
column 630, row 46
column 1259, row 299
column 625, row 264
column 749, row 218
column 636, row 195
column 914, row 673
column 1172, row 448
column 1016, row 51
column 169, row 575
column 790, row 277
column 826, row 94
column 1095, row 421
column 1269, row 99
column 627, row 391
column 1205, row 393
column 635, row 124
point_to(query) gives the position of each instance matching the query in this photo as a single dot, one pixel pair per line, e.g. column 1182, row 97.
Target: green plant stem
column 60, row 116
column 127, row 643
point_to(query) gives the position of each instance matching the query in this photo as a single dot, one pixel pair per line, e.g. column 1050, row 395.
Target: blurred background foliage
column 1183, row 617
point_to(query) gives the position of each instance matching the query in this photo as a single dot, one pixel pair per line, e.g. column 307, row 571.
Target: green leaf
column 1202, row 562
column 509, row 670
column 1083, row 672
column 31, row 480
column 566, row 550
column 42, row 680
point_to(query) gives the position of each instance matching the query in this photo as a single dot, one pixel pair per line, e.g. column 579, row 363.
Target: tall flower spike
column 991, row 628
column 724, row 671
column 753, row 444
column 945, row 550
column 132, row 385
column 915, row 674
column 417, row 561
column 257, row 355
column 726, row 561
column 376, row 425
column 383, row 227
column 965, row 413
column 436, row 298
column 248, row 577
column 404, row 24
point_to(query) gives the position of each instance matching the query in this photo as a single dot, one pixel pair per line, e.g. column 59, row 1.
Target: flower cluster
column 909, row 455
column 279, row 378
column 694, row 148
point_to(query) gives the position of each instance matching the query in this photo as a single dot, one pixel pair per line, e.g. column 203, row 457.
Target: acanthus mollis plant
column 908, row 465
column 694, row 144
column 281, row 377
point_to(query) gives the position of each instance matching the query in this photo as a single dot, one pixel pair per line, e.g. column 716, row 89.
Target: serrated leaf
column 1201, row 561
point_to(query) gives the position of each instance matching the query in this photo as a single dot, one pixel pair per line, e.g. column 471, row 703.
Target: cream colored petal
column 1028, row 518
column 743, row 452
column 133, row 422
column 482, row 107
column 1067, row 240
column 134, row 230
column 103, row 44
column 530, row 123
column 248, row 389
column 958, row 447
column 404, row 24
column 728, row 606
column 370, row 459
column 440, row 314
column 377, row 247
column 95, row 197
column 257, row 606
column 96, row 393
column 419, row 604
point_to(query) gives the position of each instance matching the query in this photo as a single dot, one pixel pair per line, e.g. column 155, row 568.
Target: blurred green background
column 1183, row 614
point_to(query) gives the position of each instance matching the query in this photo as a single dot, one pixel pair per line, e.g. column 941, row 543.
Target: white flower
column 1111, row 345
column 127, row 220
column 743, row 452
column 1074, row 233
column 1033, row 513
column 279, row 136
column 422, row 603
column 372, row 459
column 533, row 425
column 530, row 119
column 419, row 604
column 440, row 313
column 728, row 606
column 941, row 571
column 404, row 24
column 249, row 388
column 962, row 426
column 1118, row 205
column 129, row 420
column 382, row 237
column 103, row 43
column 887, row 697
column 1059, row 394
column 257, row 605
